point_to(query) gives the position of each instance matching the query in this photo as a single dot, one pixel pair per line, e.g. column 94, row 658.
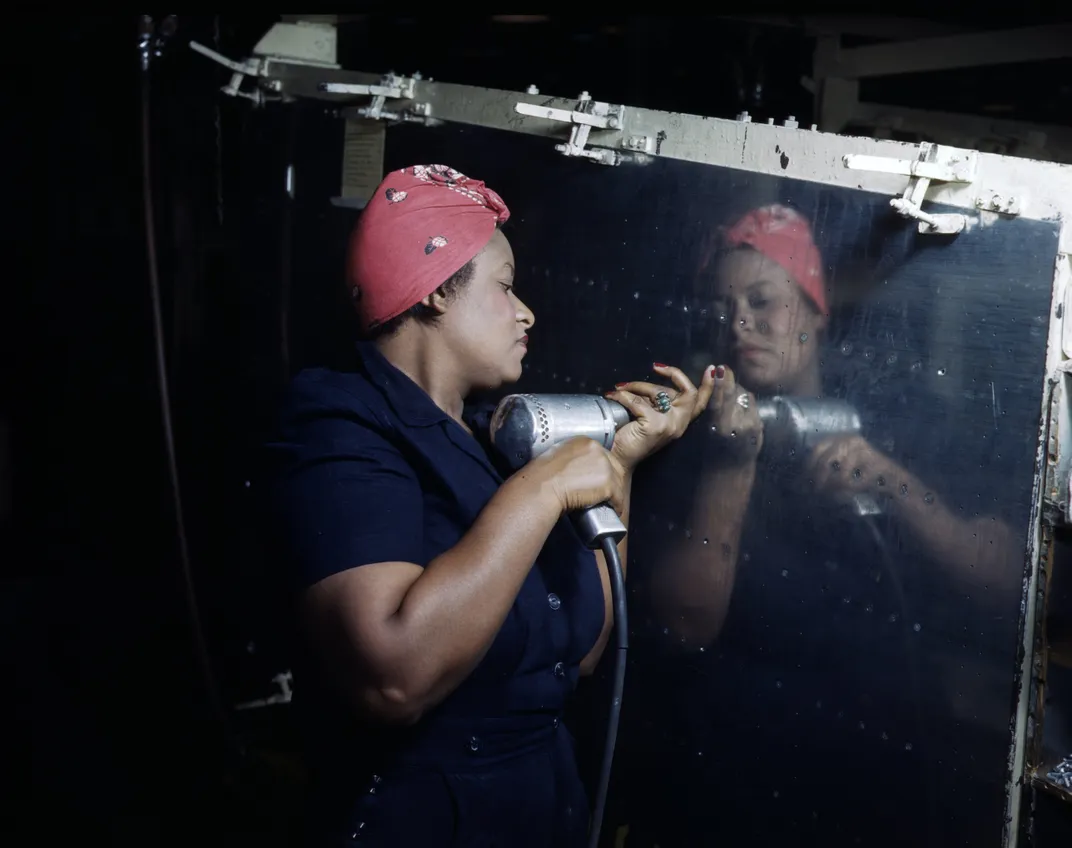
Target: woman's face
column 488, row 323
column 773, row 329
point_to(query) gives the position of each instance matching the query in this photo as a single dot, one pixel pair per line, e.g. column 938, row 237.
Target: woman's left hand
column 652, row 430
column 851, row 465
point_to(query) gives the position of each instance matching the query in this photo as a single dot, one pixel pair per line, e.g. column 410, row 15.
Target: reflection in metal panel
column 833, row 678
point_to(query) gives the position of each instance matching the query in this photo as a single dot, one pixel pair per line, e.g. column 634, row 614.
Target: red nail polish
column 720, row 372
column 660, row 365
column 618, row 385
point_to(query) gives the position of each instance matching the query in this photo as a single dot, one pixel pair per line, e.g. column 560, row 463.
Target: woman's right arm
column 692, row 585
column 398, row 638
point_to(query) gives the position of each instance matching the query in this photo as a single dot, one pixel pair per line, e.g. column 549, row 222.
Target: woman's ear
column 436, row 301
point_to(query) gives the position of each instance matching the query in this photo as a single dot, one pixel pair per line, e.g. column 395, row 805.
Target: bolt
column 613, row 122
column 532, row 90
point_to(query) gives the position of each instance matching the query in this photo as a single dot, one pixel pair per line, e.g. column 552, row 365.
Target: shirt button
column 474, row 743
column 554, row 601
column 560, row 670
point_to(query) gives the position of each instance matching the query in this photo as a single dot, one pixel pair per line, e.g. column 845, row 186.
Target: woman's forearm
column 452, row 612
column 982, row 549
column 692, row 586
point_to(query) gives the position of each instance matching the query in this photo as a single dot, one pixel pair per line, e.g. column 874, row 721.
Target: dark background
column 113, row 733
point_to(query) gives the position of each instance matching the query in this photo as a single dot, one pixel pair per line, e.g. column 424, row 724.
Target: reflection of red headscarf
column 783, row 236
column 421, row 226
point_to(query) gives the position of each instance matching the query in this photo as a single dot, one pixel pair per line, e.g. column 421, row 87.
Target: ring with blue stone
column 662, row 402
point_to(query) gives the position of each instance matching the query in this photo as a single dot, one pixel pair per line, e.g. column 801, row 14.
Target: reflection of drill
column 794, row 426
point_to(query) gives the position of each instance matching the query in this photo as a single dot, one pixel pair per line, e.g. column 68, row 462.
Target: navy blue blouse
column 366, row 469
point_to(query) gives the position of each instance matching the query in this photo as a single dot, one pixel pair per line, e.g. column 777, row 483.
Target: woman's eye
column 757, row 302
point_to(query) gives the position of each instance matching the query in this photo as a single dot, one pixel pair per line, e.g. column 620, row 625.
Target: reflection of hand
column 652, row 429
column 850, row 465
column 734, row 419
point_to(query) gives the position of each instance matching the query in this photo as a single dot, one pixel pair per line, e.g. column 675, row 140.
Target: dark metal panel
column 861, row 691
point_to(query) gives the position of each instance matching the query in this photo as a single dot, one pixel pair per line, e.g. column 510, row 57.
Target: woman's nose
column 524, row 314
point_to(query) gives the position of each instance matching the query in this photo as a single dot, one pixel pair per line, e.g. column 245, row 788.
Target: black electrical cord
column 621, row 631
column 197, row 633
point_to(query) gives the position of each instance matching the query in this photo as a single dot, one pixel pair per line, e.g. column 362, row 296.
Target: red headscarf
column 420, row 227
column 783, row 236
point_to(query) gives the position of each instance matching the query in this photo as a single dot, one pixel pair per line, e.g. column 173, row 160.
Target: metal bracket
column 590, row 114
column 257, row 69
column 934, row 162
column 391, row 86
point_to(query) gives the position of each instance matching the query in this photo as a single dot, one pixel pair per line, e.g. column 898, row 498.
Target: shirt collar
column 409, row 401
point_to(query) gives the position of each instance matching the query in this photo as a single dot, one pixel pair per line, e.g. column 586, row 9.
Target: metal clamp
column 254, row 68
column 391, row 86
column 942, row 164
column 588, row 115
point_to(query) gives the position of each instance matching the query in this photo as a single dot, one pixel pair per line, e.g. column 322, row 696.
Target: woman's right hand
column 582, row 473
column 734, row 419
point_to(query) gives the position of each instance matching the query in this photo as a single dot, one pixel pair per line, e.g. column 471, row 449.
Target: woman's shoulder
column 318, row 394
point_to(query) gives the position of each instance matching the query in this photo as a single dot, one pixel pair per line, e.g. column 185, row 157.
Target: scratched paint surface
column 860, row 689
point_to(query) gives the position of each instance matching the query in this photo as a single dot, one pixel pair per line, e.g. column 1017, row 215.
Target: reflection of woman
column 770, row 292
column 802, row 722
column 451, row 608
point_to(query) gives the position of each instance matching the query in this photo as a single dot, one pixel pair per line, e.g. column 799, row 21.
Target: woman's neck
column 422, row 357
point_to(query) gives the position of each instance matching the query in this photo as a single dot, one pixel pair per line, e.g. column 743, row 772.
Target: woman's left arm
column 984, row 547
column 650, row 431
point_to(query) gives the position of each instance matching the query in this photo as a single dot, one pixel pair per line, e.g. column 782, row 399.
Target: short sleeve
column 340, row 495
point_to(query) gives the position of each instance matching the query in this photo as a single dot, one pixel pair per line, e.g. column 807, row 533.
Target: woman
column 770, row 293
column 448, row 613
column 813, row 673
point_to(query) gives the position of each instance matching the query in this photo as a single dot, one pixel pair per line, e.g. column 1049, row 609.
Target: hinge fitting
column 588, row 115
column 391, row 86
column 934, row 162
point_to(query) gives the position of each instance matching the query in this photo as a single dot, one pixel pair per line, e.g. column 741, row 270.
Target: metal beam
column 865, row 25
column 1047, row 142
column 1029, row 44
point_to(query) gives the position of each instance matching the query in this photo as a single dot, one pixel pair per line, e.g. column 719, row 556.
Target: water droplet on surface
column 688, row 534
column 846, row 348
column 928, row 498
column 803, row 337
column 881, row 480
column 706, row 541
column 885, row 736
column 869, row 354
column 785, row 572
column 869, row 608
column 904, row 488
column 891, row 359
column 908, row 746
column 733, row 434
column 857, row 473
column 941, row 372
column 777, row 684
column 862, row 726
column 917, row 365
column 636, row 295
column 917, row 627
column 835, row 465
column 893, row 617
